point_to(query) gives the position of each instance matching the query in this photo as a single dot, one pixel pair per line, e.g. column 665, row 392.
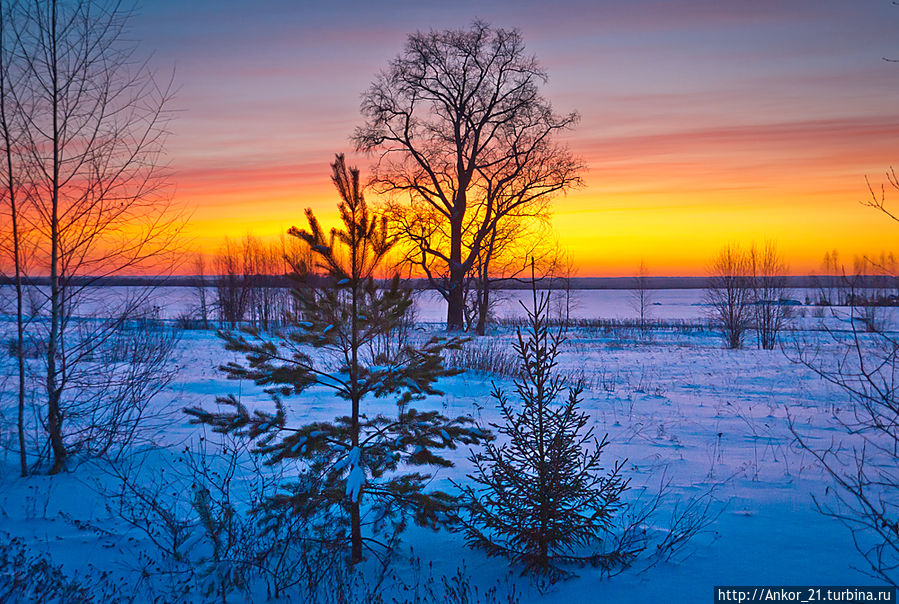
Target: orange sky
column 702, row 123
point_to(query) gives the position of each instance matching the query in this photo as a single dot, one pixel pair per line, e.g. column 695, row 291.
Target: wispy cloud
column 695, row 110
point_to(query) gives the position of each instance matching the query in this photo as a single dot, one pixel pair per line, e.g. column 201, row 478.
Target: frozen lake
column 665, row 304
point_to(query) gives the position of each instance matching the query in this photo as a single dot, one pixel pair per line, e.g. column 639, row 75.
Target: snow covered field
column 675, row 404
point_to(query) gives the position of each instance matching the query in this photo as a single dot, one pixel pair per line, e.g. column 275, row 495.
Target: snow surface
column 677, row 405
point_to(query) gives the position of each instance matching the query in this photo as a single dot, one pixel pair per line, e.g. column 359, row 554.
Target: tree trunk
column 356, row 534
column 544, row 551
column 455, row 310
column 484, row 284
column 17, row 259
column 20, row 345
column 54, row 392
column 483, row 306
column 356, row 277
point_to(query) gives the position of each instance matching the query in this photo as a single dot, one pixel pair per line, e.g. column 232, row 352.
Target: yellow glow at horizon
column 608, row 234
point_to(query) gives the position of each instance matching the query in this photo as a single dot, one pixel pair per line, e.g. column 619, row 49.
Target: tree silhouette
column 542, row 498
column 342, row 315
column 84, row 123
column 462, row 131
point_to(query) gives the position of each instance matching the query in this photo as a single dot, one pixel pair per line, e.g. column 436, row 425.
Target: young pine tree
column 542, row 498
column 359, row 466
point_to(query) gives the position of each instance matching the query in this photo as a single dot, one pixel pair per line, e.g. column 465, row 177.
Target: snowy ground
column 675, row 405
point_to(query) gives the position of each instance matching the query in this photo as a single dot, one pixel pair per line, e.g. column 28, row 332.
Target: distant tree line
column 868, row 281
column 248, row 284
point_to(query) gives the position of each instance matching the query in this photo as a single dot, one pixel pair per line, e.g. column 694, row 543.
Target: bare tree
column 864, row 292
column 641, row 296
column 511, row 248
column 886, row 282
column 9, row 113
column 878, row 199
column 230, row 284
column 118, row 382
column 863, row 287
column 463, row 133
column 769, row 293
column 564, row 274
column 832, row 284
column 863, row 463
column 728, row 294
column 201, row 290
column 90, row 134
column 264, row 267
column 249, row 282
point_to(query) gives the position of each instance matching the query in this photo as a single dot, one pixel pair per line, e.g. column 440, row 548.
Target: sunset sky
column 703, row 122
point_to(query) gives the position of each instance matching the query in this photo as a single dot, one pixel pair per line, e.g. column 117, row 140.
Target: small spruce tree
column 358, row 466
column 541, row 497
